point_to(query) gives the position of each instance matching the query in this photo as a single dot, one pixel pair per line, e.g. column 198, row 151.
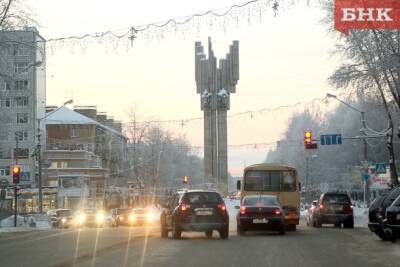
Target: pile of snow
column 25, row 223
column 230, row 206
column 361, row 216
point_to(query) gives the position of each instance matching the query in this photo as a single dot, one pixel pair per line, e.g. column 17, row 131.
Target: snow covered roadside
column 24, row 224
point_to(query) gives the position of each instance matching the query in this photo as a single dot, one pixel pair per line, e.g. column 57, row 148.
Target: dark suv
column 377, row 212
column 333, row 208
column 195, row 210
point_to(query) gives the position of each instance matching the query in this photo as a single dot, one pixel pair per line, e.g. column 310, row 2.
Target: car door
column 169, row 210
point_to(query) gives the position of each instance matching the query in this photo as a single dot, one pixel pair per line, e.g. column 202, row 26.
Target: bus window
column 253, row 181
column 272, row 182
column 288, row 182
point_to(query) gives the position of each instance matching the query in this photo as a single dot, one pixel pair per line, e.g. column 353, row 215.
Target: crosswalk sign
column 380, row 168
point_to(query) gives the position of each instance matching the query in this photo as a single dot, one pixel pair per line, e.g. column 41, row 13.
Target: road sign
column 366, row 176
column 3, row 183
column 380, row 168
column 331, row 139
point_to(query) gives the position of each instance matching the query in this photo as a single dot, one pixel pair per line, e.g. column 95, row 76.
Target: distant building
column 83, row 157
column 22, row 100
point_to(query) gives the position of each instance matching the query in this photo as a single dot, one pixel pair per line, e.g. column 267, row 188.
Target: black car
column 377, row 212
column 195, row 210
column 120, row 216
column 392, row 221
column 262, row 212
column 61, row 218
column 333, row 208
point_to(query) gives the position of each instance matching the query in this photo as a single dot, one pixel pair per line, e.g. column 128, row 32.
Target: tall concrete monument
column 215, row 84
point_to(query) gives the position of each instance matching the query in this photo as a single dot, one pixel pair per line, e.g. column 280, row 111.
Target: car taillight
column 277, row 212
column 321, row 206
column 242, row 210
column 222, row 207
column 184, row 207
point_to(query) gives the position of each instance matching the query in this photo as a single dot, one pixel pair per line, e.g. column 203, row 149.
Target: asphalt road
column 112, row 247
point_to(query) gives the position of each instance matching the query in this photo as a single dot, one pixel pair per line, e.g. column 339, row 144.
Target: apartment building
column 22, row 100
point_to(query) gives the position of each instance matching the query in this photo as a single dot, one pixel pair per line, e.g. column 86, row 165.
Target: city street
column 308, row 246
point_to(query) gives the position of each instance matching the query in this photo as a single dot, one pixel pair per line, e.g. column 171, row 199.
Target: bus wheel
column 291, row 227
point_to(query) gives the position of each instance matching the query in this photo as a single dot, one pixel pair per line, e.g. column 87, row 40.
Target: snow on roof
column 67, row 116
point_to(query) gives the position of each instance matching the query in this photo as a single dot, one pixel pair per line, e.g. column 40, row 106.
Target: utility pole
column 39, row 159
column 365, row 154
column 15, row 185
column 306, row 185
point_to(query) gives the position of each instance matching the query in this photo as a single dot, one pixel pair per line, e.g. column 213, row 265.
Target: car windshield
column 202, row 198
column 138, row 211
column 123, row 211
column 336, row 198
column 260, row 201
column 64, row 213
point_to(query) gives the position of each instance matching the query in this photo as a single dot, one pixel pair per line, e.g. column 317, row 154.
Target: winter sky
column 283, row 60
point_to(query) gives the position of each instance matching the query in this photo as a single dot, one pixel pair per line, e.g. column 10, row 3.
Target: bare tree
column 13, row 15
column 372, row 66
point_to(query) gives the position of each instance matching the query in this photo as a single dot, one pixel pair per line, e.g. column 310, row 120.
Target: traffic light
column 185, row 179
column 308, row 141
column 16, row 172
column 17, row 191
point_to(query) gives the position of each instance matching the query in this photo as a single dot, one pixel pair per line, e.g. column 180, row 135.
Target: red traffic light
column 16, row 172
column 308, row 141
column 307, row 137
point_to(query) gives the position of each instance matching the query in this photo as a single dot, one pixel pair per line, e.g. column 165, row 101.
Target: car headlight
column 63, row 220
column 81, row 218
column 121, row 218
column 132, row 217
column 149, row 217
column 100, row 217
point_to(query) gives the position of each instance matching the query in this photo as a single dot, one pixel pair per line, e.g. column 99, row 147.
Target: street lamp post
column 365, row 146
column 39, row 155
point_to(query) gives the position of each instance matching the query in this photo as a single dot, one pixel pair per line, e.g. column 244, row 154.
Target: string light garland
column 231, row 15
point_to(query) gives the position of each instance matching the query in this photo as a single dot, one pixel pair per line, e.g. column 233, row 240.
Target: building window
column 4, row 170
column 73, row 133
column 7, row 86
column 21, row 50
column 22, row 117
column 22, row 135
column 21, row 101
column 21, row 85
column 21, row 67
column 5, row 103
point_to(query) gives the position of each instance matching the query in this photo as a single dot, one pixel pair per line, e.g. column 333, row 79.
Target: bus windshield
column 270, row 181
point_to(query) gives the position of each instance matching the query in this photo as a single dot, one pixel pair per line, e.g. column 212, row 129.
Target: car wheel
column 164, row 230
column 224, row 233
column 291, row 227
column 240, row 229
column 349, row 223
column 176, row 231
column 381, row 234
column 282, row 230
column 209, row 233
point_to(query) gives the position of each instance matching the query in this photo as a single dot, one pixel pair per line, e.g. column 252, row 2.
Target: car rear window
column 64, row 213
column 138, row 211
column 337, row 198
column 254, row 201
column 202, row 198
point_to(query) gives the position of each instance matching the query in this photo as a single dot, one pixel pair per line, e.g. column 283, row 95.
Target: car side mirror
column 237, row 207
column 238, row 185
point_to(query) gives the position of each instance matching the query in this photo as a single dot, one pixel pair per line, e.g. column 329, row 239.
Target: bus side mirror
column 238, row 185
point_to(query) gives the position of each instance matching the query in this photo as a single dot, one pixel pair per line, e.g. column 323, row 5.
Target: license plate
column 337, row 208
column 398, row 216
column 204, row 212
column 260, row 220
